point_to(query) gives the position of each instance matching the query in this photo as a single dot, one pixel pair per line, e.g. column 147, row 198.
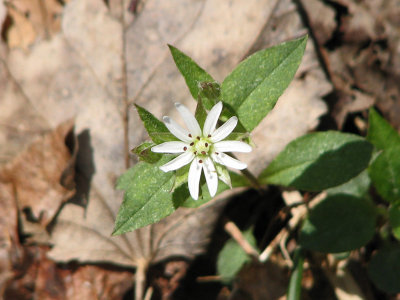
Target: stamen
column 195, row 152
column 203, row 152
column 216, row 153
column 192, row 143
column 200, row 161
column 206, row 144
column 190, row 135
column 198, row 138
column 209, row 135
column 184, row 148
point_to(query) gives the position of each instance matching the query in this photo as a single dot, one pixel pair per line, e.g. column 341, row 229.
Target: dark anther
column 216, row 153
column 203, row 152
column 206, row 144
column 209, row 135
column 195, row 152
column 184, row 148
column 198, row 138
column 200, row 161
column 191, row 144
column 190, row 135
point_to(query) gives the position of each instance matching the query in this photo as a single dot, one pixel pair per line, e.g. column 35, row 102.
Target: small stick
column 237, row 235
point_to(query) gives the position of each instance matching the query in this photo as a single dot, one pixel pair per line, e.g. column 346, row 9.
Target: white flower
column 201, row 147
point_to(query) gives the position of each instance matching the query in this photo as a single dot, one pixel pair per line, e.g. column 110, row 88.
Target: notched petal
column 223, row 131
column 189, row 119
column 178, row 162
column 194, row 178
column 212, row 119
column 176, row 129
column 170, row 147
column 232, row 146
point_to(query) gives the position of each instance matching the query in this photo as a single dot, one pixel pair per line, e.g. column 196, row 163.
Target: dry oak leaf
column 74, row 75
column 42, row 175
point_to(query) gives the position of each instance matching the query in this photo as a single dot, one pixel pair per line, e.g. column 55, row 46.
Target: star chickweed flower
column 202, row 148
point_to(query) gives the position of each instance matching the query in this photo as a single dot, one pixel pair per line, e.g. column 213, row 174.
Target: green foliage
column 147, row 197
column 156, row 129
column 394, row 218
column 294, row 290
column 143, row 151
column 357, row 186
column 384, row 269
column 182, row 195
column 385, row 170
column 191, row 71
column 255, row 85
column 339, row 223
column 318, row 161
column 232, row 257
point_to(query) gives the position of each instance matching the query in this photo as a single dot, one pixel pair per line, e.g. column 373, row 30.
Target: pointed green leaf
column 147, row 197
column 357, row 186
column 384, row 269
column 339, row 223
column 294, row 290
column 385, row 169
column 255, row 85
column 394, row 218
column 318, row 161
column 182, row 195
column 201, row 113
column 143, row 151
column 190, row 70
column 232, row 257
column 156, row 129
column 380, row 133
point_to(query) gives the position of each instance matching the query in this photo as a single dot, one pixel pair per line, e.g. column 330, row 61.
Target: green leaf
column 394, row 218
column 182, row 195
column 294, row 290
column 147, row 197
column 190, row 70
column 201, row 113
column 255, row 85
column 339, row 223
column 385, row 169
column 385, row 174
column 380, row 133
column 210, row 93
column 143, row 151
column 232, row 257
column 318, row 161
column 384, row 269
column 357, row 186
column 156, row 129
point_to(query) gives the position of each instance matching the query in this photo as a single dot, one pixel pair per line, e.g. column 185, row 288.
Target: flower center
column 201, row 146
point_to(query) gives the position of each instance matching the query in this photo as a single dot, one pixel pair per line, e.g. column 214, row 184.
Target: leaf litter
column 105, row 59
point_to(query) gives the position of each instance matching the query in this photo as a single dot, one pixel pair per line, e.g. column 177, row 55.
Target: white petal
column 212, row 119
column 170, row 147
column 232, row 146
column 194, row 178
column 228, row 161
column 178, row 162
column 223, row 131
column 189, row 119
column 177, row 130
column 211, row 176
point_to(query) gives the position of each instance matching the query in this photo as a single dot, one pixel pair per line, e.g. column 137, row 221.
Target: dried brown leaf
column 81, row 72
column 42, row 175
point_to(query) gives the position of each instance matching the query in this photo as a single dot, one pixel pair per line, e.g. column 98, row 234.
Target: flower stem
column 249, row 176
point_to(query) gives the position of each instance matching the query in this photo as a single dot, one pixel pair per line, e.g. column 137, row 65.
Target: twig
column 140, row 278
column 149, row 293
column 235, row 232
column 210, row 278
column 270, row 248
